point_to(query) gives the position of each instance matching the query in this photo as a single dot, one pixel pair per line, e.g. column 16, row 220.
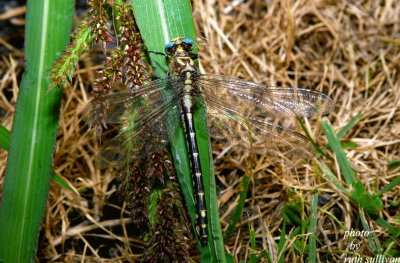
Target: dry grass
column 350, row 50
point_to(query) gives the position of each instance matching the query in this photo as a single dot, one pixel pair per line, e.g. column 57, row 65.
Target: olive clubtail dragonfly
column 238, row 112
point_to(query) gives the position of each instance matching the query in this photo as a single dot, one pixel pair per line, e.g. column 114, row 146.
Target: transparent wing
column 138, row 139
column 147, row 118
column 246, row 115
column 256, row 100
column 110, row 108
column 232, row 129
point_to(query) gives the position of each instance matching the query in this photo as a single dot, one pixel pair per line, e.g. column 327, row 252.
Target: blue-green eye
column 169, row 47
column 187, row 44
column 188, row 41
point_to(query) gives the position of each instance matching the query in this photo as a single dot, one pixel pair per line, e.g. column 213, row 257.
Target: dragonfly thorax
column 181, row 64
column 179, row 58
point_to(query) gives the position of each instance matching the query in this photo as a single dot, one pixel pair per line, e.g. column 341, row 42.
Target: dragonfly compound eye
column 170, row 48
column 187, row 44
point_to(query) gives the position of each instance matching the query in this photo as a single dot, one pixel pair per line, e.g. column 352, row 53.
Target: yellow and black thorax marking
column 179, row 57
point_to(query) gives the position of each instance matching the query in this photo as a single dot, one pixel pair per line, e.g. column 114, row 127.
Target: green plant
column 29, row 165
column 159, row 23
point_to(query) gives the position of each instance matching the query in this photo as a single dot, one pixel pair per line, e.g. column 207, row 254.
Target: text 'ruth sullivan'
column 375, row 259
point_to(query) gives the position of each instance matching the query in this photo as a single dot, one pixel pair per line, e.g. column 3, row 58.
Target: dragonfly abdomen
column 187, row 117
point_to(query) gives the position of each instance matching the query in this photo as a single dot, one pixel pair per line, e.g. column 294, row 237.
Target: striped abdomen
column 201, row 211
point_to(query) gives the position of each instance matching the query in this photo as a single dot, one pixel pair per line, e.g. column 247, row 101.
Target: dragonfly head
column 179, row 44
column 178, row 51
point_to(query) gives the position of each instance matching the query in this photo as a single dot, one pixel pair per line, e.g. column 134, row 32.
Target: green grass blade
column 229, row 258
column 334, row 144
column 316, row 146
column 237, row 214
column 58, row 179
column 373, row 241
column 370, row 202
column 253, row 248
column 348, row 126
column 390, row 186
column 159, row 22
column 393, row 230
column 281, row 244
column 291, row 213
column 29, row 165
column 64, row 183
column 330, row 176
column 312, row 242
column 393, row 164
column 349, row 145
column 4, row 138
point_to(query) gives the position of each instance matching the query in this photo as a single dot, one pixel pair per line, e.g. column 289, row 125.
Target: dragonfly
column 239, row 113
